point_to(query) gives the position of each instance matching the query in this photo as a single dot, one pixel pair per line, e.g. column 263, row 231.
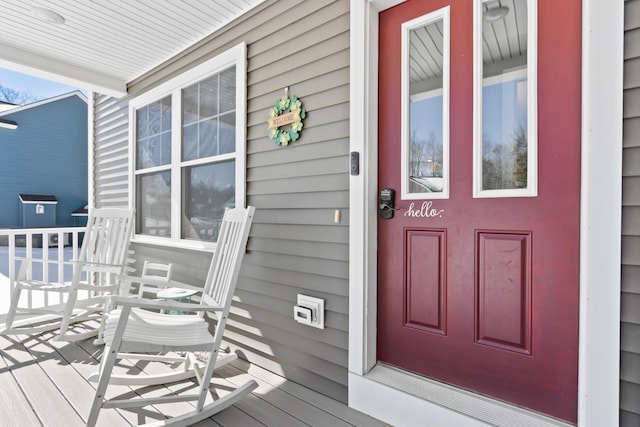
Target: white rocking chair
column 155, row 278
column 132, row 329
column 102, row 258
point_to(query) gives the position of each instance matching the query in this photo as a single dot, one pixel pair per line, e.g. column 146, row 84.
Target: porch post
column 602, row 86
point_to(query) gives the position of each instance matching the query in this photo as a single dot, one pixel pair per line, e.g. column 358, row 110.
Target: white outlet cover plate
column 317, row 307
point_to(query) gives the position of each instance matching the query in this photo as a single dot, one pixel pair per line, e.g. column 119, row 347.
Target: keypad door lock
column 387, row 203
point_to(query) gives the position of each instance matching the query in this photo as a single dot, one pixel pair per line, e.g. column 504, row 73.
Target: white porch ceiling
column 103, row 44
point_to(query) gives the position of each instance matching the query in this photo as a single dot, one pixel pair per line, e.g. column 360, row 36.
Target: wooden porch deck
column 43, row 383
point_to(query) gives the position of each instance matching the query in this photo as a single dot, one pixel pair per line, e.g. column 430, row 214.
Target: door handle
column 387, row 203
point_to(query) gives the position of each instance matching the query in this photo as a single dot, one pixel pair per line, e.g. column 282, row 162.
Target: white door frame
column 403, row 399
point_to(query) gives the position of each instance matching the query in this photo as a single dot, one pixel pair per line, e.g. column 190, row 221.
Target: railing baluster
column 44, row 243
column 75, row 244
column 61, row 242
column 29, row 254
column 16, row 248
column 12, row 263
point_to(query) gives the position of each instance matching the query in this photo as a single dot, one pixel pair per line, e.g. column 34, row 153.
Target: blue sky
column 40, row 88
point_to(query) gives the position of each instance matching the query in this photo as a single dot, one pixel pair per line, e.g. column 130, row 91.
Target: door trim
column 600, row 260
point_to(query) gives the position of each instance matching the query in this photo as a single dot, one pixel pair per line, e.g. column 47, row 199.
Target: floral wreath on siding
column 285, row 105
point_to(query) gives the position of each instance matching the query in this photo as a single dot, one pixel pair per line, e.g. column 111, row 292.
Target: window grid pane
column 153, row 134
column 207, row 106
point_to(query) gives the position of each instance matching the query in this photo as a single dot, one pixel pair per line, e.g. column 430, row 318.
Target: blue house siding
column 46, row 154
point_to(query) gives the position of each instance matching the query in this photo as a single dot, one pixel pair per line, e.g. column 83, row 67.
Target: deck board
column 71, row 384
column 15, row 409
column 327, row 404
column 84, row 359
column 45, row 398
column 137, row 415
column 291, row 404
column 234, row 417
column 43, row 382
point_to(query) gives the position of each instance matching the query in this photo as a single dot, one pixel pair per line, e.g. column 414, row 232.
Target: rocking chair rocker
column 102, row 258
column 133, row 328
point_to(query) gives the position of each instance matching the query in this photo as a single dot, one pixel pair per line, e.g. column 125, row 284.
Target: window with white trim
column 188, row 152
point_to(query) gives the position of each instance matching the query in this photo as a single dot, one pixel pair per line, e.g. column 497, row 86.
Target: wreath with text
column 285, row 120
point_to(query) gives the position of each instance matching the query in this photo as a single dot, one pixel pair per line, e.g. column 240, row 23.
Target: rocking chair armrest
column 67, row 262
column 96, row 266
column 116, row 300
column 158, row 282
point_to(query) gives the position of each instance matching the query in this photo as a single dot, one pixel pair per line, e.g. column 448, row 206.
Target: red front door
column 478, row 266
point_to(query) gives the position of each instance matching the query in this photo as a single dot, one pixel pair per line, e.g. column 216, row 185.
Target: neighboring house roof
column 83, row 211
column 8, row 124
column 7, row 105
column 43, row 102
column 37, row 198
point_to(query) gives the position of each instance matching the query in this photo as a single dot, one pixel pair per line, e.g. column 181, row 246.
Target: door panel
column 425, row 282
column 480, row 290
column 503, row 290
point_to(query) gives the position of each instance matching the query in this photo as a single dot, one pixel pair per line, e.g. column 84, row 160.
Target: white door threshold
column 405, row 399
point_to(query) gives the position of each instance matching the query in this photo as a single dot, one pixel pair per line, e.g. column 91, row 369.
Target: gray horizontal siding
column 189, row 266
column 111, row 152
column 630, row 271
column 295, row 246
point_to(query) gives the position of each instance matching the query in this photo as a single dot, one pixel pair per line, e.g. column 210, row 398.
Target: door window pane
column 504, row 136
column 208, row 190
column 426, row 146
column 426, row 136
column 506, row 154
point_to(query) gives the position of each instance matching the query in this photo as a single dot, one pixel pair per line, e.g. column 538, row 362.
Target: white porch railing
column 44, row 245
